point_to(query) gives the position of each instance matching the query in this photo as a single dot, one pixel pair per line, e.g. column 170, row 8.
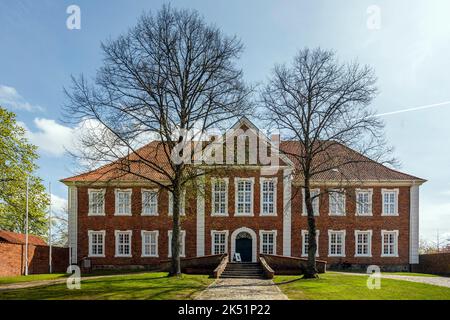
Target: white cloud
column 434, row 217
column 9, row 97
column 59, row 205
column 50, row 137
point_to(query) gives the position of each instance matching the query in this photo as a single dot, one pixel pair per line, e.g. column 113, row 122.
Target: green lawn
column 32, row 277
column 403, row 274
column 154, row 285
column 335, row 286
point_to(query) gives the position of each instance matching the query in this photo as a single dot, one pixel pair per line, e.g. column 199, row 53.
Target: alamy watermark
column 74, row 280
column 73, row 21
column 374, row 280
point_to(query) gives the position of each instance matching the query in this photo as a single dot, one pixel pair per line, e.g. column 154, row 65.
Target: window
column 149, row 243
column 337, row 203
column 96, row 243
column 149, row 202
column 244, row 196
column 390, row 202
column 183, row 200
column 363, row 243
column 182, row 243
column 219, row 242
column 123, row 243
column 96, row 202
column 364, row 202
column 315, row 201
column 305, row 243
column 219, row 197
column 389, row 245
column 123, row 202
column 268, row 242
column 268, row 196
column 336, row 243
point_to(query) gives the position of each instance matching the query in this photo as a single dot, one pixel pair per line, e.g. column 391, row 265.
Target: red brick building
column 370, row 218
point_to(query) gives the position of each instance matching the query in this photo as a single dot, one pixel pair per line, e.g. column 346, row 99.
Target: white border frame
column 395, row 254
column 142, row 244
column 116, row 201
column 213, row 181
column 343, row 243
column 383, row 192
column 369, row 244
column 90, row 191
column 252, row 200
column 342, row 193
column 254, row 241
column 226, row 232
column 275, row 198
column 90, row 255
column 142, row 202
column 275, row 233
column 116, row 234
column 370, row 191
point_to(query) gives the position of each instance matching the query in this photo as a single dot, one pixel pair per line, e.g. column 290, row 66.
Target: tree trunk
column 311, row 270
column 176, row 206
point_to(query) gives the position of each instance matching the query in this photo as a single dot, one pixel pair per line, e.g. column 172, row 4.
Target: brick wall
column 437, row 263
column 163, row 223
column 12, row 259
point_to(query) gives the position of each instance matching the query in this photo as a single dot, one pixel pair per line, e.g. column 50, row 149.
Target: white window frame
column 343, row 233
column 396, row 233
column 143, row 233
column 305, row 236
column 236, row 192
column 384, row 192
column 90, row 233
column 116, row 206
column 213, row 201
column 143, row 191
column 369, row 243
column 261, row 243
column 274, row 180
column 213, row 243
column 183, row 203
column 340, row 193
column 370, row 206
column 315, row 203
column 90, row 194
column 183, row 243
column 116, row 234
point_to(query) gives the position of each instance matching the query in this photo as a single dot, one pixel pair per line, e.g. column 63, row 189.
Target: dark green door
column 244, row 248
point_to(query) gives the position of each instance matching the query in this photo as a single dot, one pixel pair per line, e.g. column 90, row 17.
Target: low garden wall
column 435, row 263
column 12, row 259
column 291, row 265
column 198, row 265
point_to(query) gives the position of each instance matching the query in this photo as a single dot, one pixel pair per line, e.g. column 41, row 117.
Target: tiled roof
column 19, row 238
column 358, row 168
column 350, row 165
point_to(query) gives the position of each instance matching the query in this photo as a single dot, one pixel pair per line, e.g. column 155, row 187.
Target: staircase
column 243, row 270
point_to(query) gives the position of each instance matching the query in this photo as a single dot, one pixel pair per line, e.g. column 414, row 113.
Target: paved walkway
column 242, row 289
column 437, row 281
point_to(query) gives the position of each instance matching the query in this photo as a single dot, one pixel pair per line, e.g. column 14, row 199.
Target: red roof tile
column 19, row 238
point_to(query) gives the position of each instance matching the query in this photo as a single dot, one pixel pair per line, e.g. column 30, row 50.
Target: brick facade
column 163, row 223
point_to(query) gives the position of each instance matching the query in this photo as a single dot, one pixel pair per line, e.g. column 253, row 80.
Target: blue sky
column 409, row 53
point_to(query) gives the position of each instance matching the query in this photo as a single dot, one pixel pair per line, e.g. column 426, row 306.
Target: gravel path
column 437, row 281
column 242, row 289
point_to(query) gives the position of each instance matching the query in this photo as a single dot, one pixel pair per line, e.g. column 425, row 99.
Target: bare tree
column 170, row 74
column 324, row 105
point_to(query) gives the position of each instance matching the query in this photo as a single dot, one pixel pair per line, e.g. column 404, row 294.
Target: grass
column 152, row 285
column 335, row 286
column 32, row 277
column 400, row 274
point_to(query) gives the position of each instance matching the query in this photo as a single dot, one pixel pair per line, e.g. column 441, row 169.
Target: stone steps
column 243, row 270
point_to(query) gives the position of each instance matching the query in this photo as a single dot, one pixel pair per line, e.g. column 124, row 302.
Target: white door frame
column 233, row 241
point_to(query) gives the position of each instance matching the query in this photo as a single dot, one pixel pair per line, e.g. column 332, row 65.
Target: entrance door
column 244, row 246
